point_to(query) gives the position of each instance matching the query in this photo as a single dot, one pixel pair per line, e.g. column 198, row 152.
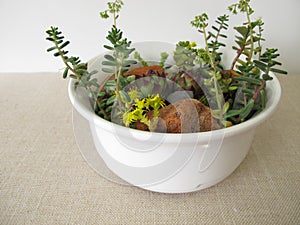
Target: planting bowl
column 164, row 162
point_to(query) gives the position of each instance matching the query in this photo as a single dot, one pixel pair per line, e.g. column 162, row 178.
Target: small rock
column 142, row 71
column 184, row 116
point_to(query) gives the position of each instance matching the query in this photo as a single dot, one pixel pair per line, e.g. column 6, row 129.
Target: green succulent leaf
column 108, row 47
column 247, row 109
column 108, row 70
column 232, row 113
column 244, row 31
column 51, row 49
column 64, row 44
column 109, row 57
column 110, row 83
column 109, row 63
column 110, row 100
column 278, row 71
column 101, row 94
column 263, row 98
column 249, row 80
column 124, row 95
column 66, row 71
column 260, row 65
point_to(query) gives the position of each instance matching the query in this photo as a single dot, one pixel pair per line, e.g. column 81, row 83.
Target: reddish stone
column 184, row 116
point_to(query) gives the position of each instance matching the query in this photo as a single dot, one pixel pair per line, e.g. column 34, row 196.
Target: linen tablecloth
column 45, row 180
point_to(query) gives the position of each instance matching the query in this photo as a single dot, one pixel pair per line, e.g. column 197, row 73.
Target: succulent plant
column 186, row 81
column 234, row 94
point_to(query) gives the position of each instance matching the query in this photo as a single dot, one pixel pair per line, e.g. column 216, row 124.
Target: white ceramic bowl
column 169, row 163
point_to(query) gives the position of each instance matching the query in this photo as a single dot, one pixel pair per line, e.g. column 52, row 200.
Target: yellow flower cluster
column 138, row 111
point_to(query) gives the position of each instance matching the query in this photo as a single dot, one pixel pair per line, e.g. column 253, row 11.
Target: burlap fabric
column 45, row 180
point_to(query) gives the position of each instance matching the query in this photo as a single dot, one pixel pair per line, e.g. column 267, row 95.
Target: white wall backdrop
column 23, row 24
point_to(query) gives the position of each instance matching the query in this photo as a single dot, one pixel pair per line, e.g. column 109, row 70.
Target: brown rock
column 142, row 71
column 184, row 116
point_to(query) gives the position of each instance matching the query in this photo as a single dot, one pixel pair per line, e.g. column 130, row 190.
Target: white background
column 23, row 24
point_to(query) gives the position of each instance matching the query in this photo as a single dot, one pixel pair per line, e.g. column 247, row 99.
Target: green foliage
column 242, row 6
column 118, row 62
column 108, row 97
column 74, row 67
column 242, row 87
column 185, row 55
column 249, row 63
column 105, row 102
column 113, row 9
column 234, row 94
column 187, row 81
column 209, row 56
column 163, row 58
column 138, row 57
column 215, row 44
column 200, row 22
column 267, row 62
column 246, row 41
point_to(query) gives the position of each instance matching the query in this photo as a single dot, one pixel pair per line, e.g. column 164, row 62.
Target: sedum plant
column 138, row 109
column 233, row 94
column 74, row 67
column 237, row 93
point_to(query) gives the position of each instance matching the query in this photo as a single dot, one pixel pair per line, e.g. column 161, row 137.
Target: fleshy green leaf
column 249, row 80
column 65, row 74
column 108, row 63
column 107, row 70
column 111, row 100
column 278, row 71
column 101, row 94
column 108, row 47
column 110, row 83
column 51, row 49
column 64, row 44
column 244, row 31
column 56, row 54
column 232, row 113
column 247, row 109
column 109, row 57
column 124, row 96
column 263, row 98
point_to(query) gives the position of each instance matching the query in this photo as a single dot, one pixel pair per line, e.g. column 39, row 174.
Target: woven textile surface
column 45, row 180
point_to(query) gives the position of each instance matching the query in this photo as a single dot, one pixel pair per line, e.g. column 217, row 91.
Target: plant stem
column 261, row 87
column 237, row 57
column 216, row 38
column 251, row 34
column 118, row 71
column 219, row 103
column 115, row 18
column 64, row 59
